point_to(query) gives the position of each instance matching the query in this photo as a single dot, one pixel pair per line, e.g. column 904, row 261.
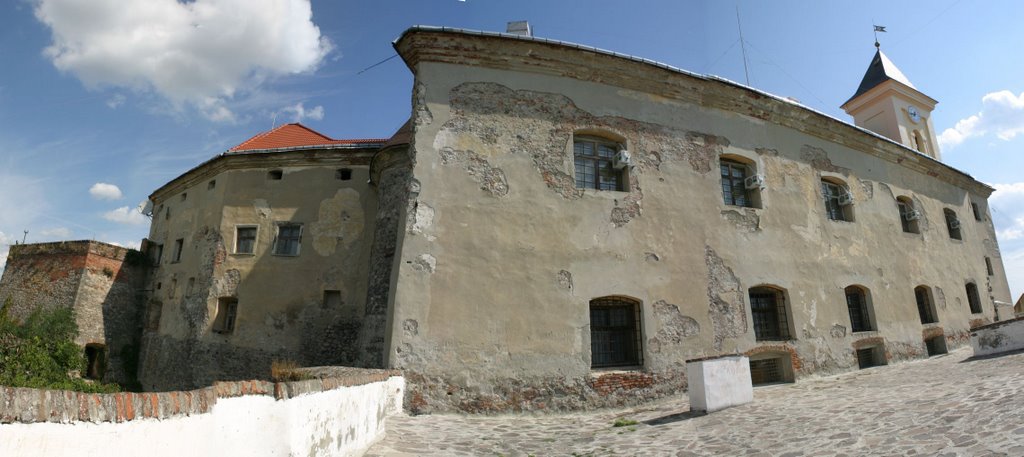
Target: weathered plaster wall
column 321, row 417
column 282, row 313
column 491, row 305
column 101, row 282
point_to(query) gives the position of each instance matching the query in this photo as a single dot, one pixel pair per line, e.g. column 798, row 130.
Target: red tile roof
column 293, row 136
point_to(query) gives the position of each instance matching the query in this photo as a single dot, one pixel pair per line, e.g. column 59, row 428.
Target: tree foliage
column 41, row 351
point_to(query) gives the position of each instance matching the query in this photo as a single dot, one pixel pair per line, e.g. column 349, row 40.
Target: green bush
column 41, row 352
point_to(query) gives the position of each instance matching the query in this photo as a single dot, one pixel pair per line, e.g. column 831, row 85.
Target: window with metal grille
column 935, row 345
column 867, row 358
column 734, row 188
column 245, row 239
column 771, row 318
column 908, row 217
column 973, row 300
column 595, row 164
column 766, row 371
column 227, row 310
column 837, row 201
column 856, row 303
column 614, row 332
column 925, row 308
column 952, row 224
column 288, row 240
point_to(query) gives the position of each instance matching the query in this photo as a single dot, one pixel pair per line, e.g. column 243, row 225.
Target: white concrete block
column 716, row 384
column 1004, row 336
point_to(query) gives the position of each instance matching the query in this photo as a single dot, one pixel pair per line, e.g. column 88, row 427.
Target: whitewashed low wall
column 343, row 421
column 1003, row 336
column 718, row 383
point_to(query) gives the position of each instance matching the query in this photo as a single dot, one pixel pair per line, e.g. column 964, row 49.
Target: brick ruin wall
column 101, row 282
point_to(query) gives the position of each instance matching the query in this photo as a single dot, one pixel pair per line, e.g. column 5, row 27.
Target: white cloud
column 104, row 191
column 126, row 244
column 126, row 215
column 203, row 53
column 116, row 101
column 1002, row 114
column 5, row 245
column 299, row 112
column 58, row 233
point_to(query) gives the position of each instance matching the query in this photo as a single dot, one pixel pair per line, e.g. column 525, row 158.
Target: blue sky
column 103, row 101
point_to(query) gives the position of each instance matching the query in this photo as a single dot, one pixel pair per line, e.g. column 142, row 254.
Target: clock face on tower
column 914, row 115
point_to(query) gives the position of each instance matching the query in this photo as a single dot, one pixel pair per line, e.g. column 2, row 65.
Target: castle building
column 560, row 227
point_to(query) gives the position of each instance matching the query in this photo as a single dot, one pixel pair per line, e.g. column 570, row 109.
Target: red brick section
column 932, row 332
column 608, row 383
column 22, row 405
column 778, row 348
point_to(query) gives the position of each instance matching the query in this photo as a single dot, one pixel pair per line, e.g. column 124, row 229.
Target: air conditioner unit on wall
column 913, row 215
column 622, row 159
column 846, row 199
column 754, row 182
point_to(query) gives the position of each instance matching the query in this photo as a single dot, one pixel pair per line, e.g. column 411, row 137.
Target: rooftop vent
column 519, row 28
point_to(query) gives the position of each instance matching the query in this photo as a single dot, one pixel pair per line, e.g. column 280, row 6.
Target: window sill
column 930, row 324
column 601, row 371
column 864, row 332
column 779, row 340
column 243, row 254
column 284, row 255
column 843, row 221
column 734, row 207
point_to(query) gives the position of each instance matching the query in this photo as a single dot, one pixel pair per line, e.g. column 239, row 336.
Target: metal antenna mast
column 743, row 48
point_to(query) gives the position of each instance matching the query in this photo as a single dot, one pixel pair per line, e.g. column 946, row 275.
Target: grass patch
column 287, row 371
column 623, row 422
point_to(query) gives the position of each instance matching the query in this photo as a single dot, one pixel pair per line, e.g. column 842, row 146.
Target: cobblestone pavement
column 947, row 405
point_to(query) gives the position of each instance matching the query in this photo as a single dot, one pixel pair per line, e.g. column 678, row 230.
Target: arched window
column 741, row 185
column 952, row 223
column 973, row 300
column 919, row 143
column 615, row 339
column 770, row 314
column 598, row 163
column 838, row 200
column 925, row 304
column 857, row 302
column 908, row 215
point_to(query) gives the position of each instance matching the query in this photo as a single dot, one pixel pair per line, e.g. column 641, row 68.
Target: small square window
column 343, row 174
column 178, row 244
column 210, row 185
column 288, row 240
column 597, row 164
column 977, row 211
column 245, row 239
column 988, row 266
column 332, row 299
column 156, row 253
column 227, row 310
column 184, row 196
column 275, row 175
column 167, row 214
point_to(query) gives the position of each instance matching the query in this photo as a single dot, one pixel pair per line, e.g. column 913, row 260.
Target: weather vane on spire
column 878, row 28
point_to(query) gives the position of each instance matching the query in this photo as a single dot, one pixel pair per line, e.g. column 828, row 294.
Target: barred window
column 857, row 304
column 770, row 314
column 734, row 189
column 973, row 300
column 908, row 216
column 952, row 223
column 925, row 307
column 595, row 164
column 838, row 201
column 615, row 332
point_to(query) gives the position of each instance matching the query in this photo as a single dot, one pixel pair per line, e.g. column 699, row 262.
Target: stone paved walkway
column 946, row 405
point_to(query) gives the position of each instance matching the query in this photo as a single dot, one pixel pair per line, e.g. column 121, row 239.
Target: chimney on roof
column 519, row 28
